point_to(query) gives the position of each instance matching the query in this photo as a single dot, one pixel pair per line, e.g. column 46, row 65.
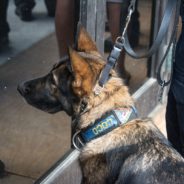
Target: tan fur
column 114, row 95
column 87, row 67
column 83, row 82
column 85, row 43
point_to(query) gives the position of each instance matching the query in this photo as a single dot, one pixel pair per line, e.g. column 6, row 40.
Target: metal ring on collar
column 75, row 140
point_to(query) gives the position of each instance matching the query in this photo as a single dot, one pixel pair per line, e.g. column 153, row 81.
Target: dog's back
column 137, row 153
column 152, row 160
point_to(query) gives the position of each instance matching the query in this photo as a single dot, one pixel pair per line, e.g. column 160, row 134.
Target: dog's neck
column 114, row 95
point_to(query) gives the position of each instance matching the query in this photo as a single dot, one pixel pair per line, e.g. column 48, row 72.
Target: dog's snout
column 24, row 89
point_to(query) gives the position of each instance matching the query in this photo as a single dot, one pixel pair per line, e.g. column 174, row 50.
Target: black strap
column 88, row 134
column 170, row 7
column 164, row 83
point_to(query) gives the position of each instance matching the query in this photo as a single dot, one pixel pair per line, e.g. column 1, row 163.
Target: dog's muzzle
column 24, row 89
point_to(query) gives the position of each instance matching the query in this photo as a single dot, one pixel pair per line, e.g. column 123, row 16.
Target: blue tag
column 101, row 127
column 114, row 119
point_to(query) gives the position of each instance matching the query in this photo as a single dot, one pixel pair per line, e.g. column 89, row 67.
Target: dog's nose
column 24, row 89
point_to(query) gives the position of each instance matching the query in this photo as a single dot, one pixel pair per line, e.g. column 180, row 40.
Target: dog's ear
column 84, row 41
column 83, row 75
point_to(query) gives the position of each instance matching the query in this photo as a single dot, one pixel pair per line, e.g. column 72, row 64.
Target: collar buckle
column 77, row 141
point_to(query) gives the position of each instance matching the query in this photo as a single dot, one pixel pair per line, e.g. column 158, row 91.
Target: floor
column 22, row 34
column 31, row 140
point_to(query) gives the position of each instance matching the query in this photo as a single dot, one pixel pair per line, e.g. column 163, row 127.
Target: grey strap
column 170, row 7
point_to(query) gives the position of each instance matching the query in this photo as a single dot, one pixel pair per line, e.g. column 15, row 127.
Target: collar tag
column 123, row 114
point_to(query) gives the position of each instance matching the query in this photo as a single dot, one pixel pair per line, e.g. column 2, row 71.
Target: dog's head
column 68, row 81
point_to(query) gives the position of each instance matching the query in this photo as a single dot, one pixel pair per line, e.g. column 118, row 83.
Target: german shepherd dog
column 133, row 153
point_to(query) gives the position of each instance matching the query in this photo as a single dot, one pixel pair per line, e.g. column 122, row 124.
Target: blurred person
column 175, row 103
column 2, row 169
column 66, row 18
column 24, row 8
column 4, row 27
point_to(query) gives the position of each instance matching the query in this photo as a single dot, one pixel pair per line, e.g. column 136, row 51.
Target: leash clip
column 161, row 91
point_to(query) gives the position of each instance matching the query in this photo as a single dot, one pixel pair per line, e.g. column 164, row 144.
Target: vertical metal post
column 92, row 16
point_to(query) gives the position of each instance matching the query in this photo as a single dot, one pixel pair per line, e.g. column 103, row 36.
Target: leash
column 169, row 10
column 122, row 42
column 117, row 48
column 172, row 45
